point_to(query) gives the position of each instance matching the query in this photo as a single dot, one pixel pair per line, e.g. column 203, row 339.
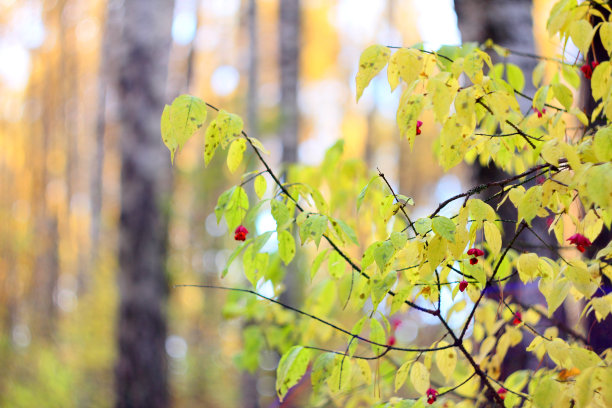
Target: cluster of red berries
column 419, row 124
column 580, row 241
column 539, row 112
column 474, row 253
column 587, row 69
column 432, row 395
column 240, row 233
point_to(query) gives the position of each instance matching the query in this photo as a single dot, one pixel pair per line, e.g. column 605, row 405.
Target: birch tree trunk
column 141, row 372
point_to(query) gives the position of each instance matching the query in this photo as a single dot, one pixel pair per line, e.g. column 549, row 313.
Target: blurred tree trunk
column 289, row 37
column 289, row 60
column 141, row 368
column 509, row 24
column 250, row 396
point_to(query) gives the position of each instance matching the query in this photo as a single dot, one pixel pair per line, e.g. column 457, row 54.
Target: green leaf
column 316, row 263
column 348, row 231
column 419, row 376
column 313, row 228
column 381, row 286
column 383, row 254
column 372, row 60
column 260, row 186
column 167, row 132
column 336, row 265
column 286, row 246
column 222, row 203
column 236, row 207
column 377, row 335
column 444, row 227
column 539, row 99
column 530, row 204
column 515, row 76
column 291, row 368
column 235, row 154
column 546, row 393
column 233, row 256
column 422, row 226
column 398, row 239
column 340, row 380
column 363, row 192
column 563, row 95
column 281, row 214
column 322, row 369
column 220, row 131
column 181, row 120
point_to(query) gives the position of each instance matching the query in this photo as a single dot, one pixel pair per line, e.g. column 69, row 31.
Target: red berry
column 418, row 129
column 518, row 318
column 475, row 252
column 432, row 395
column 580, row 241
column 462, row 285
column 502, row 393
column 240, row 233
column 587, row 71
column 473, row 261
column 391, row 341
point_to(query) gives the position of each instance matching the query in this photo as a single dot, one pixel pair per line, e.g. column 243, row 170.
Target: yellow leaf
column 405, row 63
column 372, row 60
column 436, row 252
column 527, row 266
column 581, row 32
column 492, row 236
column 419, row 377
column 605, row 32
column 446, row 360
column 530, row 204
column 235, row 154
column 602, row 144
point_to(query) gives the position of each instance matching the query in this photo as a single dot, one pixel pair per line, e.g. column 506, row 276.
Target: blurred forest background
column 86, row 260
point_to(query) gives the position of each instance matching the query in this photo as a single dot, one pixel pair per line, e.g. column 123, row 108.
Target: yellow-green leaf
column 260, row 186
column 444, row 227
column 286, row 246
column 530, row 204
column 235, row 154
column 377, row 335
column 291, row 368
column 181, row 120
column 527, row 266
column 554, row 291
column 372, row 60
column 402, row 375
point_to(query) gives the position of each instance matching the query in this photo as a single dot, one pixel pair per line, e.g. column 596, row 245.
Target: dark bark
column 141, row 369
column 509, row 24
